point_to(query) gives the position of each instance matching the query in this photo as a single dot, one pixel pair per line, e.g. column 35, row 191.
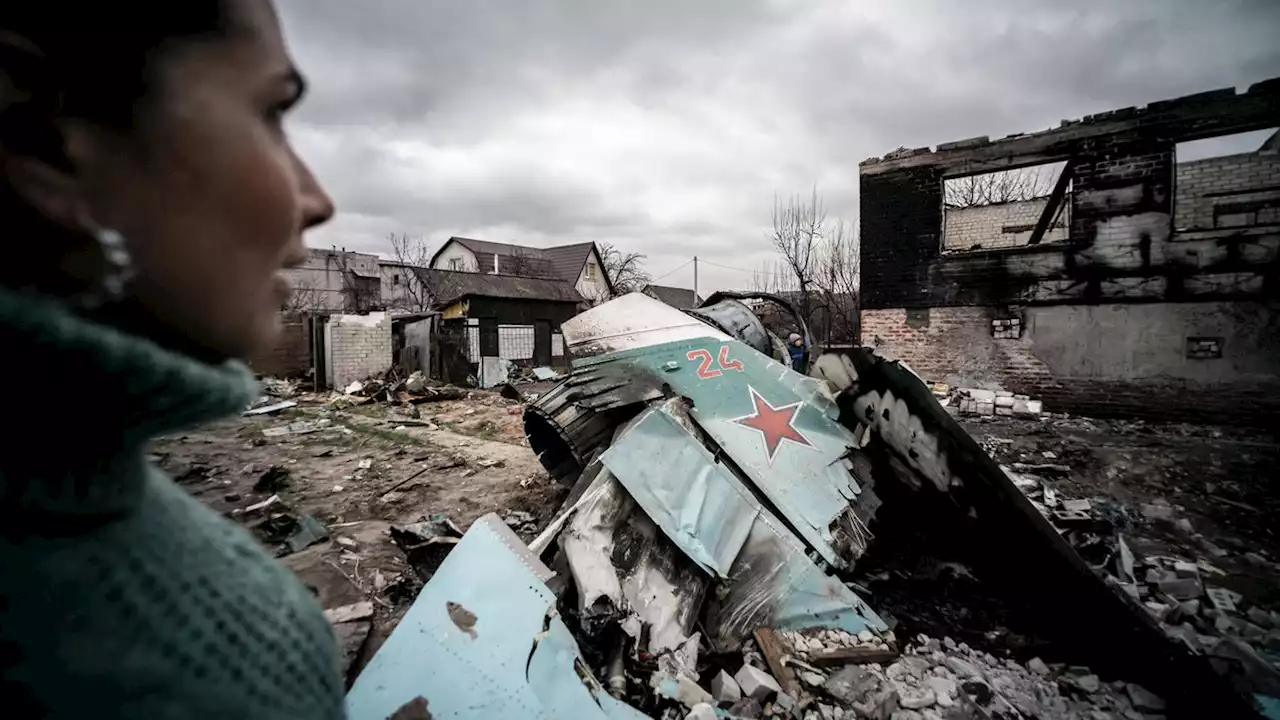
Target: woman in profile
column 149, row 199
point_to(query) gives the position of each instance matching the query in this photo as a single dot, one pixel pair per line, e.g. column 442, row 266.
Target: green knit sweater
column 120, row 595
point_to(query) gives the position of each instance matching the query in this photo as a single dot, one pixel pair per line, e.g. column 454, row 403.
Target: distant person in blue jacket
column 795, row 346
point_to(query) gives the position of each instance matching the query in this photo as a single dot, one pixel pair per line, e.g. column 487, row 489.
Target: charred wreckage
column 720, row 503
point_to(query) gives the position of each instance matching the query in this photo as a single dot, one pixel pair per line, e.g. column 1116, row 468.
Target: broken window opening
column 1228, row 182
column 1001, row 210
column 1204, row 348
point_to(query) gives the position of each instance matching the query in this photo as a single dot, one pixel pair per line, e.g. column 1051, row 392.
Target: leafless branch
column 523, row 264
column 817, row 269
column 304, row 297
column 415, row 293
column 625, row 271
column 999, row 187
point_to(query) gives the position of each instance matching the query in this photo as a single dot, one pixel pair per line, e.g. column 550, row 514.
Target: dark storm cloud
column 669, row 127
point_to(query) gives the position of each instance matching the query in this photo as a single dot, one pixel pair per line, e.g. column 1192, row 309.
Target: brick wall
column 1225, row 181
column 1112, row 360
column 1003, row 225
column 358, row 346
column 291, row 354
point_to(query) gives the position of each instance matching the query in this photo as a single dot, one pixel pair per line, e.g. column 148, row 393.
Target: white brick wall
column 1232, row 179
column 358, row 346
column 1004, row 225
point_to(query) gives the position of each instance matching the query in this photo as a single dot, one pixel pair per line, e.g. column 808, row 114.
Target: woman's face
column 208, row 193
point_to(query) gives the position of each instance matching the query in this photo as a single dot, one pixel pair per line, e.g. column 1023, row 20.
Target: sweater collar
column 84, row 397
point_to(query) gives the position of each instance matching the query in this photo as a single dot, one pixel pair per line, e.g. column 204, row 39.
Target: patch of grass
column 389, row 436
column 485, row 430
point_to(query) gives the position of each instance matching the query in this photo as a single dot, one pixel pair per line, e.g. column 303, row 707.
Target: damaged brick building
column 1138, row 285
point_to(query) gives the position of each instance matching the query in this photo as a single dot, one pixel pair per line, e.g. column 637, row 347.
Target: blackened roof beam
column 1192, row 117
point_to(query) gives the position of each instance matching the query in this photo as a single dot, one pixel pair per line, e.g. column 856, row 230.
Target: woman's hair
column 90, row 60
column 96, row 61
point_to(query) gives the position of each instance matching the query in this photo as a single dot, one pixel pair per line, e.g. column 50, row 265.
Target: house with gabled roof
column 579, row 264
column 679, row 298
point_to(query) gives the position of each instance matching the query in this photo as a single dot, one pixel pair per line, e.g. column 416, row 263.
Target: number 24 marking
column 705, row 371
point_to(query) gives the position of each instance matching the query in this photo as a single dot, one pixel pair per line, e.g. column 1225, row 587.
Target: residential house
column 579, row 264
column 335, row 281
column 679, row 298
column 500, row 316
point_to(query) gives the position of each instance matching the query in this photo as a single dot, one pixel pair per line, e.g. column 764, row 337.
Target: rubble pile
column 1184, row 595
column 973, row 401
column 719, row 503
column 931, row 680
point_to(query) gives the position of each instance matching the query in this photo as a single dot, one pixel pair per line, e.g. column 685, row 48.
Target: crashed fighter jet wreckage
column 719, row 497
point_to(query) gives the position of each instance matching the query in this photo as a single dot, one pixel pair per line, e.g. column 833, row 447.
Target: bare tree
column 774, row 276
column 625, row 270
column 1000, row 187
column 304, row 297
column 524, row 264
column 797, row 232
column 836, row 278
column 817, row 269
column 416, row 293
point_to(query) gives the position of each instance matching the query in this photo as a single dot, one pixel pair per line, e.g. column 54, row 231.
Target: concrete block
column 1182, row 588
column 982, row 396
column 1005, row 402
column 690, row 694
column 1003, row 394
column 1035, row 407
column 701, row 711
column 986, row 408
column 756, row 683
column 725, row 689
column 1004, row 411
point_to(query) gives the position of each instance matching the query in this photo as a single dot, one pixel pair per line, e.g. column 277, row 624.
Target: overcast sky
column 666, row 127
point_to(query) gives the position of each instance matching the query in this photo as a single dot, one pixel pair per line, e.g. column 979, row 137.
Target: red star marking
column 776, row 424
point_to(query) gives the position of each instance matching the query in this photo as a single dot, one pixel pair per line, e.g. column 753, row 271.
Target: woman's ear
column 51, row 191
column 36, row 158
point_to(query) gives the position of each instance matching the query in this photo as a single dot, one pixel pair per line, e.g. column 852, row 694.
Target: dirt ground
column 369, row 467
column 378, row 464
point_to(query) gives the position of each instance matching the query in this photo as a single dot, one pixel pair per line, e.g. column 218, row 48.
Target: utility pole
column 695, row 278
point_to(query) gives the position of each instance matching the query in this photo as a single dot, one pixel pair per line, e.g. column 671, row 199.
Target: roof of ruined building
column 1190, row 117
column 449, row 286
column 681, row 298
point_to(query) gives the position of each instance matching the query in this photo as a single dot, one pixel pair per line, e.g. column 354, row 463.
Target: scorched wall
column 1124, row 316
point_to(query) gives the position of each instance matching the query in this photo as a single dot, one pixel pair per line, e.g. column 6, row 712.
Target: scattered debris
column 308, row 531
column 434, row 394
column 426, row 543
column 270, row 409
column 358, row 611
column 274, row 479
column 277, row 387
column 301, row 427
column 416, row 383
column 546, row 373
column 259, row 506
column 673, row 510
column 973, row 401
column 508, row 391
